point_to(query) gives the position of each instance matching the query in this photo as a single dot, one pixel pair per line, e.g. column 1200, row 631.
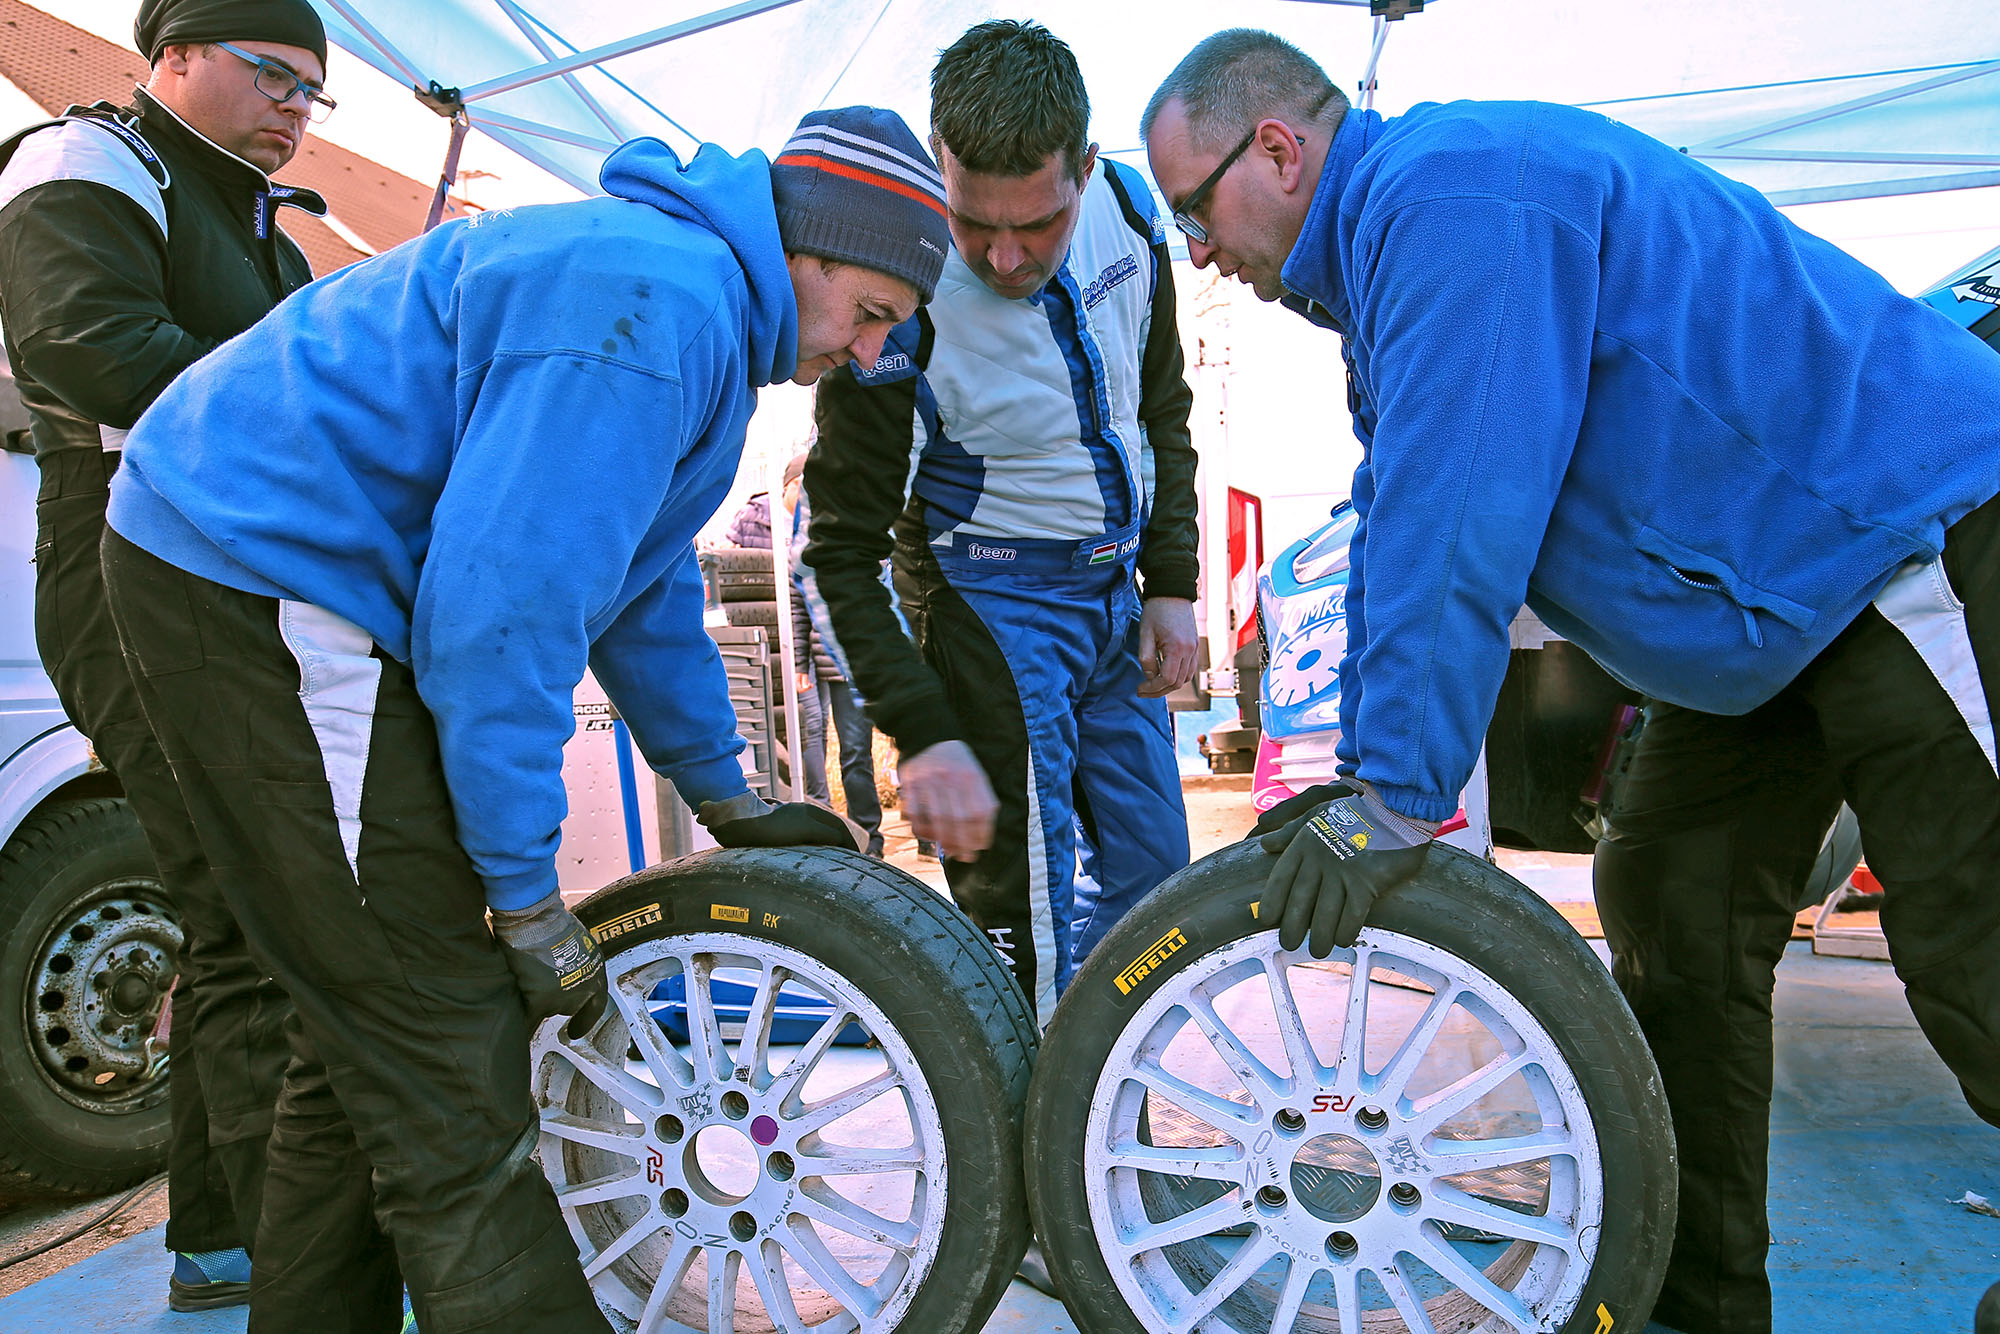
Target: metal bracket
column 445, row 101
column 1395, row 9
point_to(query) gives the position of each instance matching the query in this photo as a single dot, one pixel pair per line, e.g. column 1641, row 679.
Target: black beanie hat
column 853, row 184
column 164, row 23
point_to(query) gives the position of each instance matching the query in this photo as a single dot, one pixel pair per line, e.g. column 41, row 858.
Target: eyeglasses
column 1184, row 218
column 1184, row 215
column 281, row 85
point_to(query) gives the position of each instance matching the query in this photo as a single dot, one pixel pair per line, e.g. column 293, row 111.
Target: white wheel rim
column 1282, row 1161
column 672, row 1170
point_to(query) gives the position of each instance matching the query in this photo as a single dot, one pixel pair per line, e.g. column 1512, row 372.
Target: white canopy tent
column 1805, row 99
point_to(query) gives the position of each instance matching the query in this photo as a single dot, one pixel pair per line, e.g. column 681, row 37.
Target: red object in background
column 1864, row 880
column 1246, row 558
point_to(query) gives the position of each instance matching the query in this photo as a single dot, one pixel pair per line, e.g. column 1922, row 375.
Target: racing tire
column 870, row 1175
column 1198, row 1159
column 745, row 574
column 88, row 948
column 764, row 613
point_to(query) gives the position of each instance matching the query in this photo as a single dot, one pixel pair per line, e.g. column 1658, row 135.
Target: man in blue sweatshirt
column 360, row 558
column 1723, row 457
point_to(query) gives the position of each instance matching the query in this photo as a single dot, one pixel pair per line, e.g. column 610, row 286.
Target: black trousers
column 402, row 1151
column 1715, row 831
column 228, row 1018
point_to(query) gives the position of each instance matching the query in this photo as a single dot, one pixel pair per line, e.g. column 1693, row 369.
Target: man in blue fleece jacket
column 1730, row 462
column 360, row 558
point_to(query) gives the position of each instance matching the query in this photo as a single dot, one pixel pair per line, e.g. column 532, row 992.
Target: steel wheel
column 1273, row 1147
column 100, row 981
column 729, row 1184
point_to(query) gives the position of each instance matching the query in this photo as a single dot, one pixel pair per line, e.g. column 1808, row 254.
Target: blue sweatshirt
column 491, row 448
column 1593, row 375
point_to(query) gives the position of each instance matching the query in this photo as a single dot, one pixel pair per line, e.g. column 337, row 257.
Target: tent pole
column 459, row 125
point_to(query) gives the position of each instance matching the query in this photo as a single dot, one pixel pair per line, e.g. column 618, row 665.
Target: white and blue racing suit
column 1027, row 463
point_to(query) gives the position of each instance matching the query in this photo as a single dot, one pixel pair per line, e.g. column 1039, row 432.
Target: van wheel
column 1455, row 1125
column 803, row 1110
column 88, row 949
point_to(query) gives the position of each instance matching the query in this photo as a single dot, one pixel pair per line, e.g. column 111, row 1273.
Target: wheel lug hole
column 1270, row 1198
column 1405, row 1196
column 1371, row 1118
column 780, row 1166
column 669, row 1129
column 1342, row 1246
column 1290, row 1121
column 674, row 1203
column 735, row 1106
column 742, row 1226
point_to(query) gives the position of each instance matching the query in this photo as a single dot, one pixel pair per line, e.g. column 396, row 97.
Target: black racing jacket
column 130, row 246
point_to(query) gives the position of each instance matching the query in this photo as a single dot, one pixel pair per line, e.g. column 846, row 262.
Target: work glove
column 555, row 961
column 749, row 821
column 1291, row 808
column 1334, row 861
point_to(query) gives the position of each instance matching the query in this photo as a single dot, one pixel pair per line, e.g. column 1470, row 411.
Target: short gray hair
column 1236, row 78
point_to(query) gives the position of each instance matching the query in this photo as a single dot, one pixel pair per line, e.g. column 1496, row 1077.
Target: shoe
column 1986, row 1319
column 875, row 846
column 1034, row 1271
column 205, row 1280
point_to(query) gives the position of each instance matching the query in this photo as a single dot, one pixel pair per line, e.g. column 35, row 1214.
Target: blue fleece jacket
column 491, row 448
column 1593, row 375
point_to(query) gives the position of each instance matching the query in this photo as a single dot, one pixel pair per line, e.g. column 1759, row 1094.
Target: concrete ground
column 1871, row 1147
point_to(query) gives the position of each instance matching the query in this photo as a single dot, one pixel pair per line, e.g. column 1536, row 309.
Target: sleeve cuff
column 515, row 892
column 1414, row 803
column 709, row 780
column 1167, row 586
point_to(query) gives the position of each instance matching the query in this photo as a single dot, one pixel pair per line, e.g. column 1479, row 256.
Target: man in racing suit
column 132, row 242
column 1717, row 453
column 1026, row 439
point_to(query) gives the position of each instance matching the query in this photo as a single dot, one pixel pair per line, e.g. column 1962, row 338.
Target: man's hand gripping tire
column 1334, row 861
column 555, row 962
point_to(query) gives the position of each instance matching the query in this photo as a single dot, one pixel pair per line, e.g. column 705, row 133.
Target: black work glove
column 1333, row 863
column 738, row 823
column 1291, row 808
column 555, row 962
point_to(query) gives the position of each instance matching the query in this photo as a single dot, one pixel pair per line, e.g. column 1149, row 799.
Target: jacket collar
column 164, row 125
column 1312, row 274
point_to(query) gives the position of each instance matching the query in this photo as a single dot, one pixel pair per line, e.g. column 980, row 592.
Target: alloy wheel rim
column 708, row 1191
column 1434, row 1167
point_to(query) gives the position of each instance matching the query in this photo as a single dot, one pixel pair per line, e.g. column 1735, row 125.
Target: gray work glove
column 1333, row 863
column 748, row 821
column 555, row 962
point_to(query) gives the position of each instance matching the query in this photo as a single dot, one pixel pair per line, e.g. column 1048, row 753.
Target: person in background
column 357, row 617
column 134, row 241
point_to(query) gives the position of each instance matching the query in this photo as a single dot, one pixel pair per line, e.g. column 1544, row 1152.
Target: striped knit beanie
column 854, row 185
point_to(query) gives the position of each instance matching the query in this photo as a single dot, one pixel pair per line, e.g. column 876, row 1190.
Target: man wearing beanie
column 358, row 615
column 1044, row 541
column 132, row 242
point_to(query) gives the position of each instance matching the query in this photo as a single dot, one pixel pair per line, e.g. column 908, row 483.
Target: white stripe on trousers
column 1919, row 601
column 338, row 685
column 1043, row 918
